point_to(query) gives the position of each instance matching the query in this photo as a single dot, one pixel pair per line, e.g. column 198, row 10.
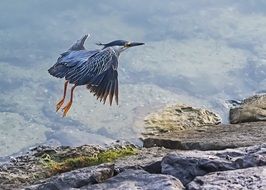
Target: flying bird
column 97, row 69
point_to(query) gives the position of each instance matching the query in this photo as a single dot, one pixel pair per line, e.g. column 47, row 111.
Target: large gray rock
column 138, row 179
column 187, row 165
column 250, row 109
column 148, row 159
column 76, row 178
column 250, row 178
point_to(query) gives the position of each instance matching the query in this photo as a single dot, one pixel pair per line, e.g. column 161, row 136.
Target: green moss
column 58, row 166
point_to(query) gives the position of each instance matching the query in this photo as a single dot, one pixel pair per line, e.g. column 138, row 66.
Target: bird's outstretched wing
column 105, row 84
column 99, row 72
column 74, row 56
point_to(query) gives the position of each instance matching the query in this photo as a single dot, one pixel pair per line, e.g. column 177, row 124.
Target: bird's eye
column 127, row 44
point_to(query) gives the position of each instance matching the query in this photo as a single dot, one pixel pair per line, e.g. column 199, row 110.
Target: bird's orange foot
column 66, row 108
column 59, row 105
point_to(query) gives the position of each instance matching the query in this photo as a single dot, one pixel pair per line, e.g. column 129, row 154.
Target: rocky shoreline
column 183, row 148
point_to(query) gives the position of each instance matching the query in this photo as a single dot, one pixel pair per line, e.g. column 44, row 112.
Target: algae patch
column 59, row 165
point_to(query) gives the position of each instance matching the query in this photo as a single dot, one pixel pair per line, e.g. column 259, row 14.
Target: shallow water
column 197, row 52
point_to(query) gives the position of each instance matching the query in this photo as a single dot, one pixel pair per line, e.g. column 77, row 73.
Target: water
column 197, row 52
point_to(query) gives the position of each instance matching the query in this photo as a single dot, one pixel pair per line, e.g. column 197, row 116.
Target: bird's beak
column 132, row 44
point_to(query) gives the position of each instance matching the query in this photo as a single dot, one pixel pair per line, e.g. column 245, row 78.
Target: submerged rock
column 249, row 110
column 138, row 179
column 250, row 178
column 13, row 137
column 187, row 165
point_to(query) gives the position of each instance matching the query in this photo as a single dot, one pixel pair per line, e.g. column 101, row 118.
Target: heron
column 97, row 69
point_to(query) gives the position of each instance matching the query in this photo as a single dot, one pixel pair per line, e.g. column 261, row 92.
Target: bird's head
column 120, row 45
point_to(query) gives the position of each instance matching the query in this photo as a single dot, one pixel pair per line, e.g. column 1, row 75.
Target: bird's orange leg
column 60, row 103
column 67, row 107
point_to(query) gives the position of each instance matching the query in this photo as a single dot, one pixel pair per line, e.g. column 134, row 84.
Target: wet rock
column 76, row 178
column 250, row 178
column 249, row 110
column 212, row 137
column 187, row 165
column 138, row 179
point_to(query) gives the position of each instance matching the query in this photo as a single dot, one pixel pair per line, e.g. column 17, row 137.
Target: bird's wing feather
column 86, row 72
column 105, row 85
column 100, row 74
column 74, row 56
column 69, row 60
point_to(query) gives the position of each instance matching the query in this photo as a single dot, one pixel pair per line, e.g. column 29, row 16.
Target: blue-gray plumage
column 97, row 69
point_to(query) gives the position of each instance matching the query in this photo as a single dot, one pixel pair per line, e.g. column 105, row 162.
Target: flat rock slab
column 186, row 165
column 212, row 137
column 248, row 110
column 138, row 179
column 250, row 178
